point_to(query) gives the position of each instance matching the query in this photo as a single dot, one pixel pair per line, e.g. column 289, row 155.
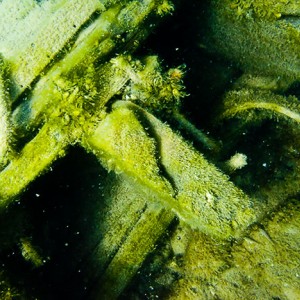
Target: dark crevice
column 153, row 134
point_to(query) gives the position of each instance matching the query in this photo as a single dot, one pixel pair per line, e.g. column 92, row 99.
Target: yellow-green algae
column 260, row 36
column 4, row 116
column 265, row 48
column 154, row 176
column 53, row 21
column 262, row 9
column 199, row 193
column 264, row 266
column 240, row 103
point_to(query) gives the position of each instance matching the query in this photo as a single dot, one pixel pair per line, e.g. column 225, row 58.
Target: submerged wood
column 69, row 79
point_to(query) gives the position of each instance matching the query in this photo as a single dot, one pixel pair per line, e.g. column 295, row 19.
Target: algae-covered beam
column 41, row 34
column 74, row 91
column 126, row 225
column 122, row 26
column 261, row 37
column 252, row 107
column 35, row 158
column 159, row 162
column 137, row 245
column 242, row 103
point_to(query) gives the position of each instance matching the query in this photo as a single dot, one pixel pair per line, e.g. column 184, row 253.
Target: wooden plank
column 32, row 42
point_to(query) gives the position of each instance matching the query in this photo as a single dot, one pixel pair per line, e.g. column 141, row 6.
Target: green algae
column 242, row 102
column 192, row 187
column 4, row 116
column 67, row 93
column 255, row 268
column 260, row 45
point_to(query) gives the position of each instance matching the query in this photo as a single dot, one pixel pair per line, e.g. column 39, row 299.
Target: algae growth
column 108, row 191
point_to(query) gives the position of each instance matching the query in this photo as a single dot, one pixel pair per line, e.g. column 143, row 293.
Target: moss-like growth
column 35, row 158
column 257, row 36
column 149, row 86
column 64, row 88
column 264, row 265
column 242, row 103
column 172, row 171
column 5, row 130
column 262, row 9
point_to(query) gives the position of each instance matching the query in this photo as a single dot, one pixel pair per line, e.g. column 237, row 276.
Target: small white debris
column 237, row 161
